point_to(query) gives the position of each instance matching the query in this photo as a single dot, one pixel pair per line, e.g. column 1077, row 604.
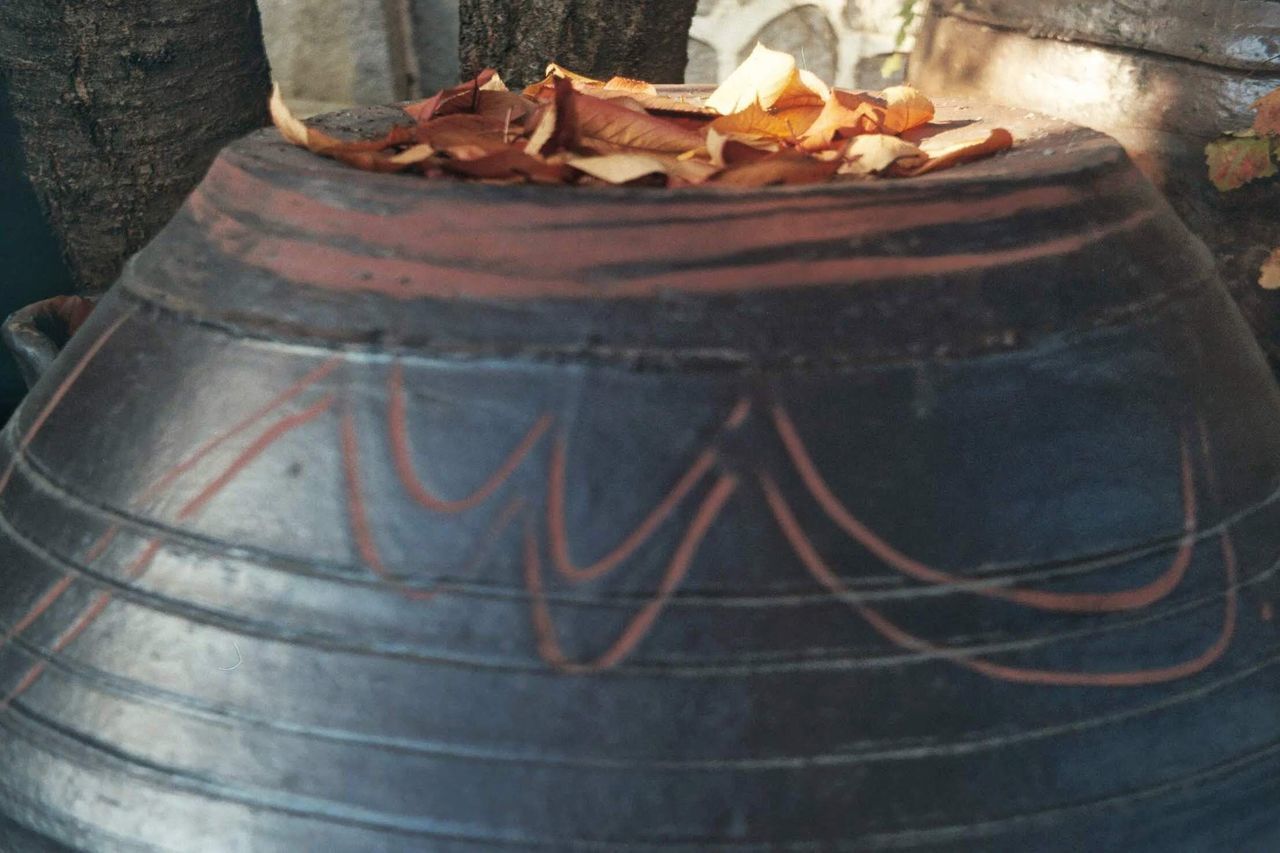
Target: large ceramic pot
column 369, row 513
column 1164, row 77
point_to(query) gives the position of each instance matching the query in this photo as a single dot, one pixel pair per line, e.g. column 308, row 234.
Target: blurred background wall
column 328, row 53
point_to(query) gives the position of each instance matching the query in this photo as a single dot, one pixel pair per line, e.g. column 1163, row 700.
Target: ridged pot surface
column 374, row 514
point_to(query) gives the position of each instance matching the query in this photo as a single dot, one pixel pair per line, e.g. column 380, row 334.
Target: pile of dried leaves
column 1245, row 156
column 769, row 123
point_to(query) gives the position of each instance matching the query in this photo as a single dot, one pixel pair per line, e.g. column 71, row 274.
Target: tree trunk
column 122, row 105
column 647, row 39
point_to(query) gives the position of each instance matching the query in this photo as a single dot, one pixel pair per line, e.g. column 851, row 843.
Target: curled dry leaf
column 784, row 167
column 873, row 153
column 769, row 78
column 845, row 114
column 457, row 98
column 643, row 95
column 905, row 108
column 1270, row 277
column 509, row 164
column 624, row 168
column 610, row 122
column 996, row 141
column 619, row 168
column 626, row 84
column 756, row 121
column 369, row 155
column 732, row 149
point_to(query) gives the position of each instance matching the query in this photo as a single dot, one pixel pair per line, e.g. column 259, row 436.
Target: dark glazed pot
column 1164, row 77
column 371, row 514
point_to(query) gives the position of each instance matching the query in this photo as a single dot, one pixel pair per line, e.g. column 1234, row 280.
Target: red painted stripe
column 259, row 446
column 642, row 623
column 402, row 455
column 431, row 249
column 823, row 573
column 59, row 393
column 212, row 444
column 1071, row 602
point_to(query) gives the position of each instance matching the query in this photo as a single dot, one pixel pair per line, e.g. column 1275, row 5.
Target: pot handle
column 36, row 334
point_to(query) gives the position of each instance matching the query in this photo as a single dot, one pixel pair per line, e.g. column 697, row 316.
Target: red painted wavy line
column 557, row 533
column 193, row 507
column 823, row 573
column 46, row 601
column 259, row 446
column 559, row 537
column 58, row 394
column 86, row 618
column 1070, row 602
column 635, row 631
column 216, row 441
column 362, row 532
column 402, row 454
column 99, row 547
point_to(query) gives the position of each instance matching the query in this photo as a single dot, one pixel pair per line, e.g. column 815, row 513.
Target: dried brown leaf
column 510, row 163
column 609, row 122
column 905, row 108
column 768, row 78
column 784, row 167
column 465, row 135
column 367, row 154
column 626, row 84
column 845, row 114
column 619, row 168
column 456, row 98
column 755, row 121
column 734, row 149
column 873, row 153
column 996, row 141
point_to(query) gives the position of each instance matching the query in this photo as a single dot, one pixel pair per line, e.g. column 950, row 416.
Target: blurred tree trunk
column 122, row 105
column 646, row 39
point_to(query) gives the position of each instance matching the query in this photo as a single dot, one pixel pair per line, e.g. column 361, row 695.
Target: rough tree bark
column 122, row 105
column 647, row 39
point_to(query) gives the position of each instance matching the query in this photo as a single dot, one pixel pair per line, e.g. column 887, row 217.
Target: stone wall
column 845, row 41
column 332, row 52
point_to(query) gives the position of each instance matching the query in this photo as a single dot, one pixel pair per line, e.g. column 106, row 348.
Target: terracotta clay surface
column 416, row 515
column 1163, row 79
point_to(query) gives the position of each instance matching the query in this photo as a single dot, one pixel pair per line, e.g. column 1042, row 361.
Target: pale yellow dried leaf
column 905, row 108
column 763, row 78
column 626, row 84
column 844, row 114
column 412, row 156
column 994, row 142
column 619, row 168
column 543, row 130
column 754, row 120
column 556, row 70
column 292, row 129
column 805, row 89
column 873, row 153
